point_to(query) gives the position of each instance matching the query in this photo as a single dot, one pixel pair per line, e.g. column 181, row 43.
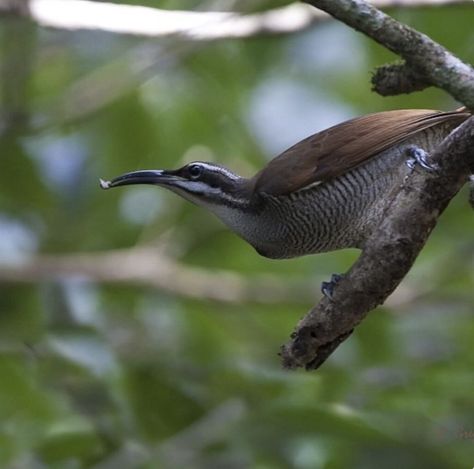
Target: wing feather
column 333, row 151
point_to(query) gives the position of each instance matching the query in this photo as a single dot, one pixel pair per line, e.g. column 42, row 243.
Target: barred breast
column 336, row 214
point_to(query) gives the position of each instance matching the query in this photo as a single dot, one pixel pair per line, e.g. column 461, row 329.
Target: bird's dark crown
column 211, row 174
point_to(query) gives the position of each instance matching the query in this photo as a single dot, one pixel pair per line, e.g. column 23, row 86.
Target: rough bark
column 429, row 60
column 389, row 254
column 414, row 210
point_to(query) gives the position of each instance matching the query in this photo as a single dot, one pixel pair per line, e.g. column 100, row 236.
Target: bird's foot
column 417, row 155
column 327, row 288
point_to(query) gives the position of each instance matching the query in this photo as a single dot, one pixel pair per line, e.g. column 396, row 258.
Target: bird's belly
column 338, row 214
column 335, row 214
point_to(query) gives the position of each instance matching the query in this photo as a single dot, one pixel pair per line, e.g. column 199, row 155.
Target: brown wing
column 334, row 151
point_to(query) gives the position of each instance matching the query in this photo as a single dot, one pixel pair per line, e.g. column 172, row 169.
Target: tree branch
column 428, row 59
column 147, row 21
column 389, row 254
column 414, row 210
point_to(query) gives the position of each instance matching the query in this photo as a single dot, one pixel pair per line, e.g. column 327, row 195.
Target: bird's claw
column 417, row 155
column 327, row 288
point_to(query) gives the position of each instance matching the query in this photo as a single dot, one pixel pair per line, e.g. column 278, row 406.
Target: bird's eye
column 195, row 171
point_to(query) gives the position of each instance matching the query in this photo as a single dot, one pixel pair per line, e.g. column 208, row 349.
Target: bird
column 325, row 193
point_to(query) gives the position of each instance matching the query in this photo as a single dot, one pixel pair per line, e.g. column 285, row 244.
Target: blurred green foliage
column 106, row 375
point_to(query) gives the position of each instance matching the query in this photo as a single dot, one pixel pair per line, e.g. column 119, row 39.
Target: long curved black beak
column 156, row 177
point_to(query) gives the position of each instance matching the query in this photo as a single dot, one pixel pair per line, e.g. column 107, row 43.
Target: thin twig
column 109, row 81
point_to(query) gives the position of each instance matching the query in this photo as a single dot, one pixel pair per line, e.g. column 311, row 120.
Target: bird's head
column 205, row 184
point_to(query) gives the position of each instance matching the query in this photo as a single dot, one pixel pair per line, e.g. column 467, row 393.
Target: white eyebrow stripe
column 218, row 169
